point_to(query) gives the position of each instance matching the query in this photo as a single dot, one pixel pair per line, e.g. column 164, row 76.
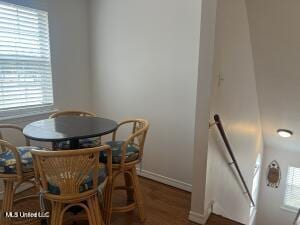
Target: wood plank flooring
column 218, row 220
column 164, row 205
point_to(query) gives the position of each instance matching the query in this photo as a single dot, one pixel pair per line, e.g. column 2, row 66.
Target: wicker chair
column 71, row 178
column 16, row 168
column 125, row 155
column 84, row 143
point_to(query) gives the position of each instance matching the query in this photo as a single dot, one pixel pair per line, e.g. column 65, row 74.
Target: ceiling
column 275, row 36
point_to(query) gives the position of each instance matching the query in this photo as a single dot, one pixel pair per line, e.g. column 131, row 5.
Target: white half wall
column 199, row 212
column 145, row 64
column 235, row 100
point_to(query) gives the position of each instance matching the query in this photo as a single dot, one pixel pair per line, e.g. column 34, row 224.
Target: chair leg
column 8, row 198
column 138, row 194
column 53, row 211
column 107, row 203
column 129, row 185
column 132, row 179
column 97, row 211
column 91, row 211
column 57, row 210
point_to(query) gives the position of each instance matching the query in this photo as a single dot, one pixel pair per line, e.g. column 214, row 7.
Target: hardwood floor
column 218, row 220
column 164, row 205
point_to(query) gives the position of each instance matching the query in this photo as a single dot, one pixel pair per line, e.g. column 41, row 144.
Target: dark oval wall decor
column 273, row 174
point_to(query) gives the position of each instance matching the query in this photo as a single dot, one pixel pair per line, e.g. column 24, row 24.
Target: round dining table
column 69, row 128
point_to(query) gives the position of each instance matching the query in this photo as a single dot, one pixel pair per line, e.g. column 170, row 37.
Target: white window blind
column 292, row 192
column 25, row 64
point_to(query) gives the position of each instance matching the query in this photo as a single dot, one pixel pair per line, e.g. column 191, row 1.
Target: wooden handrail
column 218, row 122
column 297, row 218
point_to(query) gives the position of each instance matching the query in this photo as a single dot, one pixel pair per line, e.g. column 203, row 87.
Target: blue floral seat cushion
column 8, row 161
column 83, row 143
column 132, row 152
column 85, row 186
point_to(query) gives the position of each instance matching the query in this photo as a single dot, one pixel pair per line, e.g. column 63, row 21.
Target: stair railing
column 234, row 162
column 296, row 221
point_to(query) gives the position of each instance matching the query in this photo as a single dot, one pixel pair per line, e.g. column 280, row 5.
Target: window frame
column 285, row 206
column 25, row 111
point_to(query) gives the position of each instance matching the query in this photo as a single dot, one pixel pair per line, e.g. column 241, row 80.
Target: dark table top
column 68, row 128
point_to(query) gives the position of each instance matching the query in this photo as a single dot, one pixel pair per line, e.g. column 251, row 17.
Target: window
column 292, row 192
column 25, row 64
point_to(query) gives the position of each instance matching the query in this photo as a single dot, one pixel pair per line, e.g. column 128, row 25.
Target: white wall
column 144, row 64
column 70, row 53
column 270, row 199
column 235, row 100
column 275, row 39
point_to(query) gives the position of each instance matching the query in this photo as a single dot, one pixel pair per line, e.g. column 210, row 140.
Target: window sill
column 289, row 209
column 26, row 117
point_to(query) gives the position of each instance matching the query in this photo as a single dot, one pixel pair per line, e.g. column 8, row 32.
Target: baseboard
column 199, row 218
column 23, row 187
column 165, row 180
